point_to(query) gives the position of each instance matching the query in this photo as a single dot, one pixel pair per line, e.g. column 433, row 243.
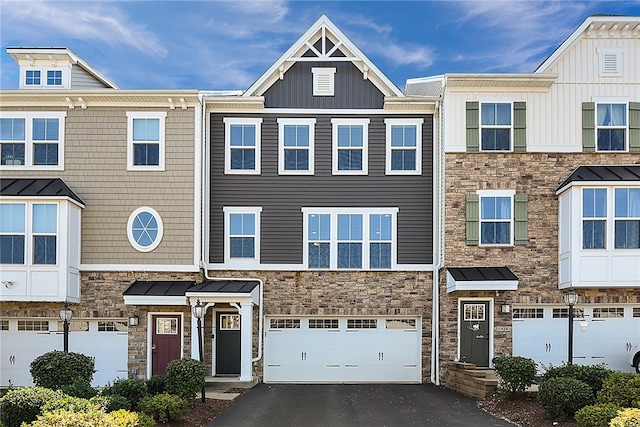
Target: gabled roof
column 57, row 53
column 39, row 187
column 481, row 279
column 333, row 46
column 593, row 174
column 626, row 26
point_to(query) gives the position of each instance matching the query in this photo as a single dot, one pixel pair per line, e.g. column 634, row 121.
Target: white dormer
column 56, row 68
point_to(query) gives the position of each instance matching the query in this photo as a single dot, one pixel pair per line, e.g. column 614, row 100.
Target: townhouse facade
column 333, row 227
column 542, row 196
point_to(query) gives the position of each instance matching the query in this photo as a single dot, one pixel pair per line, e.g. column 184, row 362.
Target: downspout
column 206, row 178
column 440, row 192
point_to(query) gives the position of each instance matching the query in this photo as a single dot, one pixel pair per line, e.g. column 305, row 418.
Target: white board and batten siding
column 22, row 340
column 612, row 331
column 342, row 350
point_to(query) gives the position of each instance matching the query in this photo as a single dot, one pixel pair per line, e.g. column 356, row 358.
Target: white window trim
column 29, row 142
column 497, row 193
column 603, row 53
column 323, row 72
column 622, row 101
column 510, row 127
column 43, row 78
column 29, row 234
column 365, row 212
column 130, row 236
column 365, row 145
column 404, row 122
column 241, row 262
column 161, row 115
column 310, row 123
column 228, row 121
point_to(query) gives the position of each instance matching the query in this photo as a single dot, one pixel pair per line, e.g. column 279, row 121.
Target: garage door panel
column 349, row 351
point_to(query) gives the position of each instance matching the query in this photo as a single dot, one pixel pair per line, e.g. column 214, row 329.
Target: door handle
column 153, row 346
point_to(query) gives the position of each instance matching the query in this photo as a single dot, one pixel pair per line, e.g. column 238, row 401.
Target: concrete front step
column 226, row 383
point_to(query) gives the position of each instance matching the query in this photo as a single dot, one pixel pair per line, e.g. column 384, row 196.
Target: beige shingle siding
column 96, row 169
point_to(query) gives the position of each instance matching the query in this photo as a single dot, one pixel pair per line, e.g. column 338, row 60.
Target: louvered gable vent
column 610, row 61
column 323, row 79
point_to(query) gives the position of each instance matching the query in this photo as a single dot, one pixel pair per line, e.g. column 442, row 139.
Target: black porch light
column 65, row 315
column 570, row 299
column 198, row 313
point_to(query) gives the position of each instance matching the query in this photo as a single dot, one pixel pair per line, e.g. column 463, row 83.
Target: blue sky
column 222, row 45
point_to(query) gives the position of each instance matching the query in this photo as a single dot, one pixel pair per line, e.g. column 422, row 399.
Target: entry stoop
column 226, row 383
column 471, row 381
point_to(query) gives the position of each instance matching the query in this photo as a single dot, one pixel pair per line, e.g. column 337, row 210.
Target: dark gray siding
column 282, row 196
column 351, row 90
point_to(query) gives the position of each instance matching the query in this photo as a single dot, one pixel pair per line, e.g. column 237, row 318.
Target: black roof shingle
column 37, row 187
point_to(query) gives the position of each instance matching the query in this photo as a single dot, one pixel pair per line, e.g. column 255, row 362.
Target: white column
column 246, row 344
column 195, row 353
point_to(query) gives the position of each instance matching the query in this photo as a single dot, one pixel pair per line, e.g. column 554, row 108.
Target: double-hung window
column 611, row 126
column 242, row 234
column 495, row 126
column 28, row 228
column 404, row 146
column 32, row 139
column 350, row 146
column 146, row 141
column 350, row 238
column 295, row 146
column 242, row 145
column 594, row 218
column 627, row 218
column 496, row 219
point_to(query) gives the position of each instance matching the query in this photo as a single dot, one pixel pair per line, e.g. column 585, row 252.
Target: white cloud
column 100, row 22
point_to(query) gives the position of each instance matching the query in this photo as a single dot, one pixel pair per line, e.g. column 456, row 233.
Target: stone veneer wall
column 343, row 293
column 536, row 264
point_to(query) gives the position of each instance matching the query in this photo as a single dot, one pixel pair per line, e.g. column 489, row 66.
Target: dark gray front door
column 228, row 344
column 474, row 332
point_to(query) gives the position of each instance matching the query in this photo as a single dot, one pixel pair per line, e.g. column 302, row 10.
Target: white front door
column 342, row 350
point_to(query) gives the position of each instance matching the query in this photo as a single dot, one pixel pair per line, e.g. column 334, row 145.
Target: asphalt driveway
column 370, row 405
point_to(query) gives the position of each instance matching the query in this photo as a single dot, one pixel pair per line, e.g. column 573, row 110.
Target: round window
column 144, row 229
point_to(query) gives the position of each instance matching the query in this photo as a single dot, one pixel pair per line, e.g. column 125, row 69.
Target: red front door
column 166, row 339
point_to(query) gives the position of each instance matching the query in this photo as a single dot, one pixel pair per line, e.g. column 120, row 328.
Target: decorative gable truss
column 323, row 42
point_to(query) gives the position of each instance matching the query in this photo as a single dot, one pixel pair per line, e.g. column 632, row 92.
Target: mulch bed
column 524, row 411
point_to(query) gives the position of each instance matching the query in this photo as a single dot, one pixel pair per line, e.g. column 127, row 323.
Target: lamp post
column 570, row 299
column 65, row 316
column 198, row 313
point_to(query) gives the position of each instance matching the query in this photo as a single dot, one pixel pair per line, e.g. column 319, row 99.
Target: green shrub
column 124, row 418
column 629, row 417
column 516, row 373
column 25, row 404
column 69, row 418
column 56, row 369
column 185, row 377
column 70, row 403
column 593, row 375
column 134, row 389
column 79, row 388
column 111, row 402
column 622, row 389
column 597, row 415
column 157, row 384
column 562, row 397
column 164, row 407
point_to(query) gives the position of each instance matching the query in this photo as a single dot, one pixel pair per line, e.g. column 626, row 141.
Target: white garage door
column 342, row 350
column 24, row 340
column 541, row 333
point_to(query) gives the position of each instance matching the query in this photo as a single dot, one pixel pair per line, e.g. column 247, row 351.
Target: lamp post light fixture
column 65, row 315
column 198, row 313
column 570, row 299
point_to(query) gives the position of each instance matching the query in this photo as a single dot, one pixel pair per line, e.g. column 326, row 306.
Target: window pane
column 243, row 135
column 296, row 136
column 11, row 249
column 593, row 234
column 146, row 154
column 403, row 136
column 319, row 227
column 503, row 114
column 594, row 203
column 349, row 159
column 611, row 139
column 12, row 154
column 349, row 227
column 497, row 233
column 12, row 217
column 145, row 229
column 349, row 255
column 319, row 255
column 350, row 136
column 243, row 159
column 242, row 247
column 496, row 139
column 627, row 202
column 612, row 115
column 33, row 77
column 496, row 207
column 44, row 249
column 380, row 227
column 380, row 255
column 627, row 234
column 45, row 154
column 45, row 129
column 296, row 160
column 45, row 218
column 403, row 160
column 12, row 129
column 54, row 77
